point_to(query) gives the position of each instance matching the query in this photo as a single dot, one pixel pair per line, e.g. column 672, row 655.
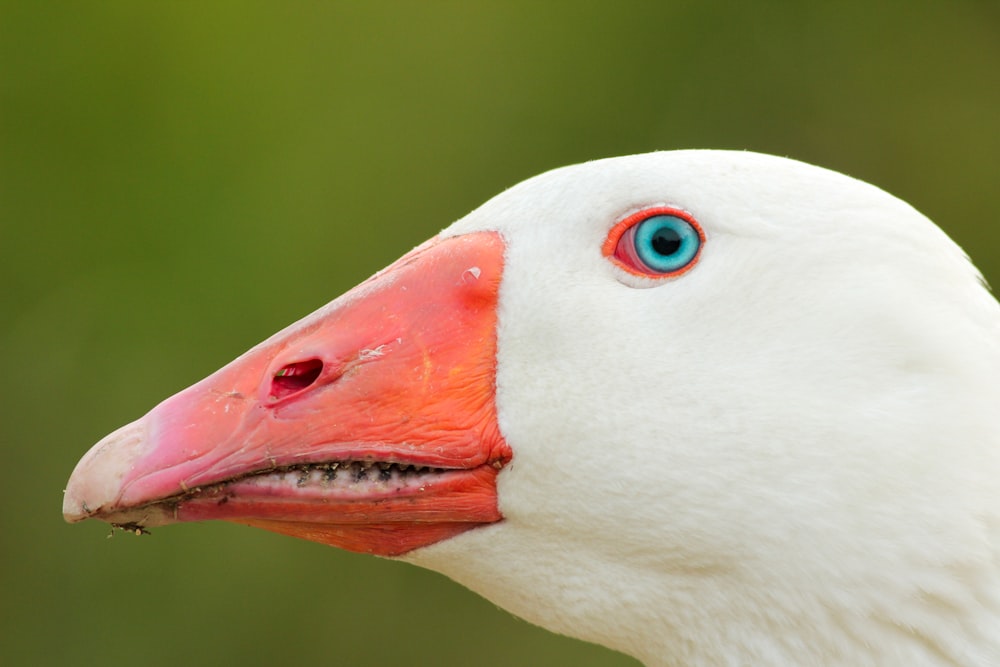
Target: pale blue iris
column 666, row 243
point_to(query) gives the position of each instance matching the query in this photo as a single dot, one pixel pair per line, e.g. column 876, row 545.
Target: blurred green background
column 179, row 180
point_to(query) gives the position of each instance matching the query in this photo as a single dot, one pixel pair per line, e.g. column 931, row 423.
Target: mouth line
column 330, row 482
column 330, row 475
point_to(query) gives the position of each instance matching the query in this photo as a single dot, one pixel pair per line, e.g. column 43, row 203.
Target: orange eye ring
column 657, row 242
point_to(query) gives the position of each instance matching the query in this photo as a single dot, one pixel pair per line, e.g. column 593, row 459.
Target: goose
column 702, row 407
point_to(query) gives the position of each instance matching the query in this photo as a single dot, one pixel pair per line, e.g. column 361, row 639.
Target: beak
column 369, row 425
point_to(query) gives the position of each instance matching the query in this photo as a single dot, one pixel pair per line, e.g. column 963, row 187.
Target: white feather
column 787, row 456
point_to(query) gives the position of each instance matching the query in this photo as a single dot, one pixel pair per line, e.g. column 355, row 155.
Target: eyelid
column 633, row 219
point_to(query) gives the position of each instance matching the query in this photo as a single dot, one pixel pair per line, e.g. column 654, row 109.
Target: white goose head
column 784, row 453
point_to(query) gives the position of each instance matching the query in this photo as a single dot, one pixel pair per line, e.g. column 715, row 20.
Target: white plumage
column 787, row 456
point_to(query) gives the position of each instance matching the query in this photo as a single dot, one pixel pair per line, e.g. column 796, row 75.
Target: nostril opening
column 295, row 377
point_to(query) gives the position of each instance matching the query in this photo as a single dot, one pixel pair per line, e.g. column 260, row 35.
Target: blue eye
column 657, row 242
column 666, row 243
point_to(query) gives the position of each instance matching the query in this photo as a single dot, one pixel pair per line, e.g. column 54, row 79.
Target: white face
column 713, row 435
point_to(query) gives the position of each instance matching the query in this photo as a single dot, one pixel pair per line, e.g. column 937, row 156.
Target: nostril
column 295, row 377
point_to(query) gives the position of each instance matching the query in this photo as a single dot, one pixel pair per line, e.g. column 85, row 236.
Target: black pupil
column 666, row 241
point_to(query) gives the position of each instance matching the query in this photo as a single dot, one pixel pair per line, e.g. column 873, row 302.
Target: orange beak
column 369, row 425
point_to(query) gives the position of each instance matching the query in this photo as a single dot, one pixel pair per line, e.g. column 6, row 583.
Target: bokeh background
column 179, row 180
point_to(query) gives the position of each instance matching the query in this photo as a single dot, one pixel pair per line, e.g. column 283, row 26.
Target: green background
column 179, row 180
